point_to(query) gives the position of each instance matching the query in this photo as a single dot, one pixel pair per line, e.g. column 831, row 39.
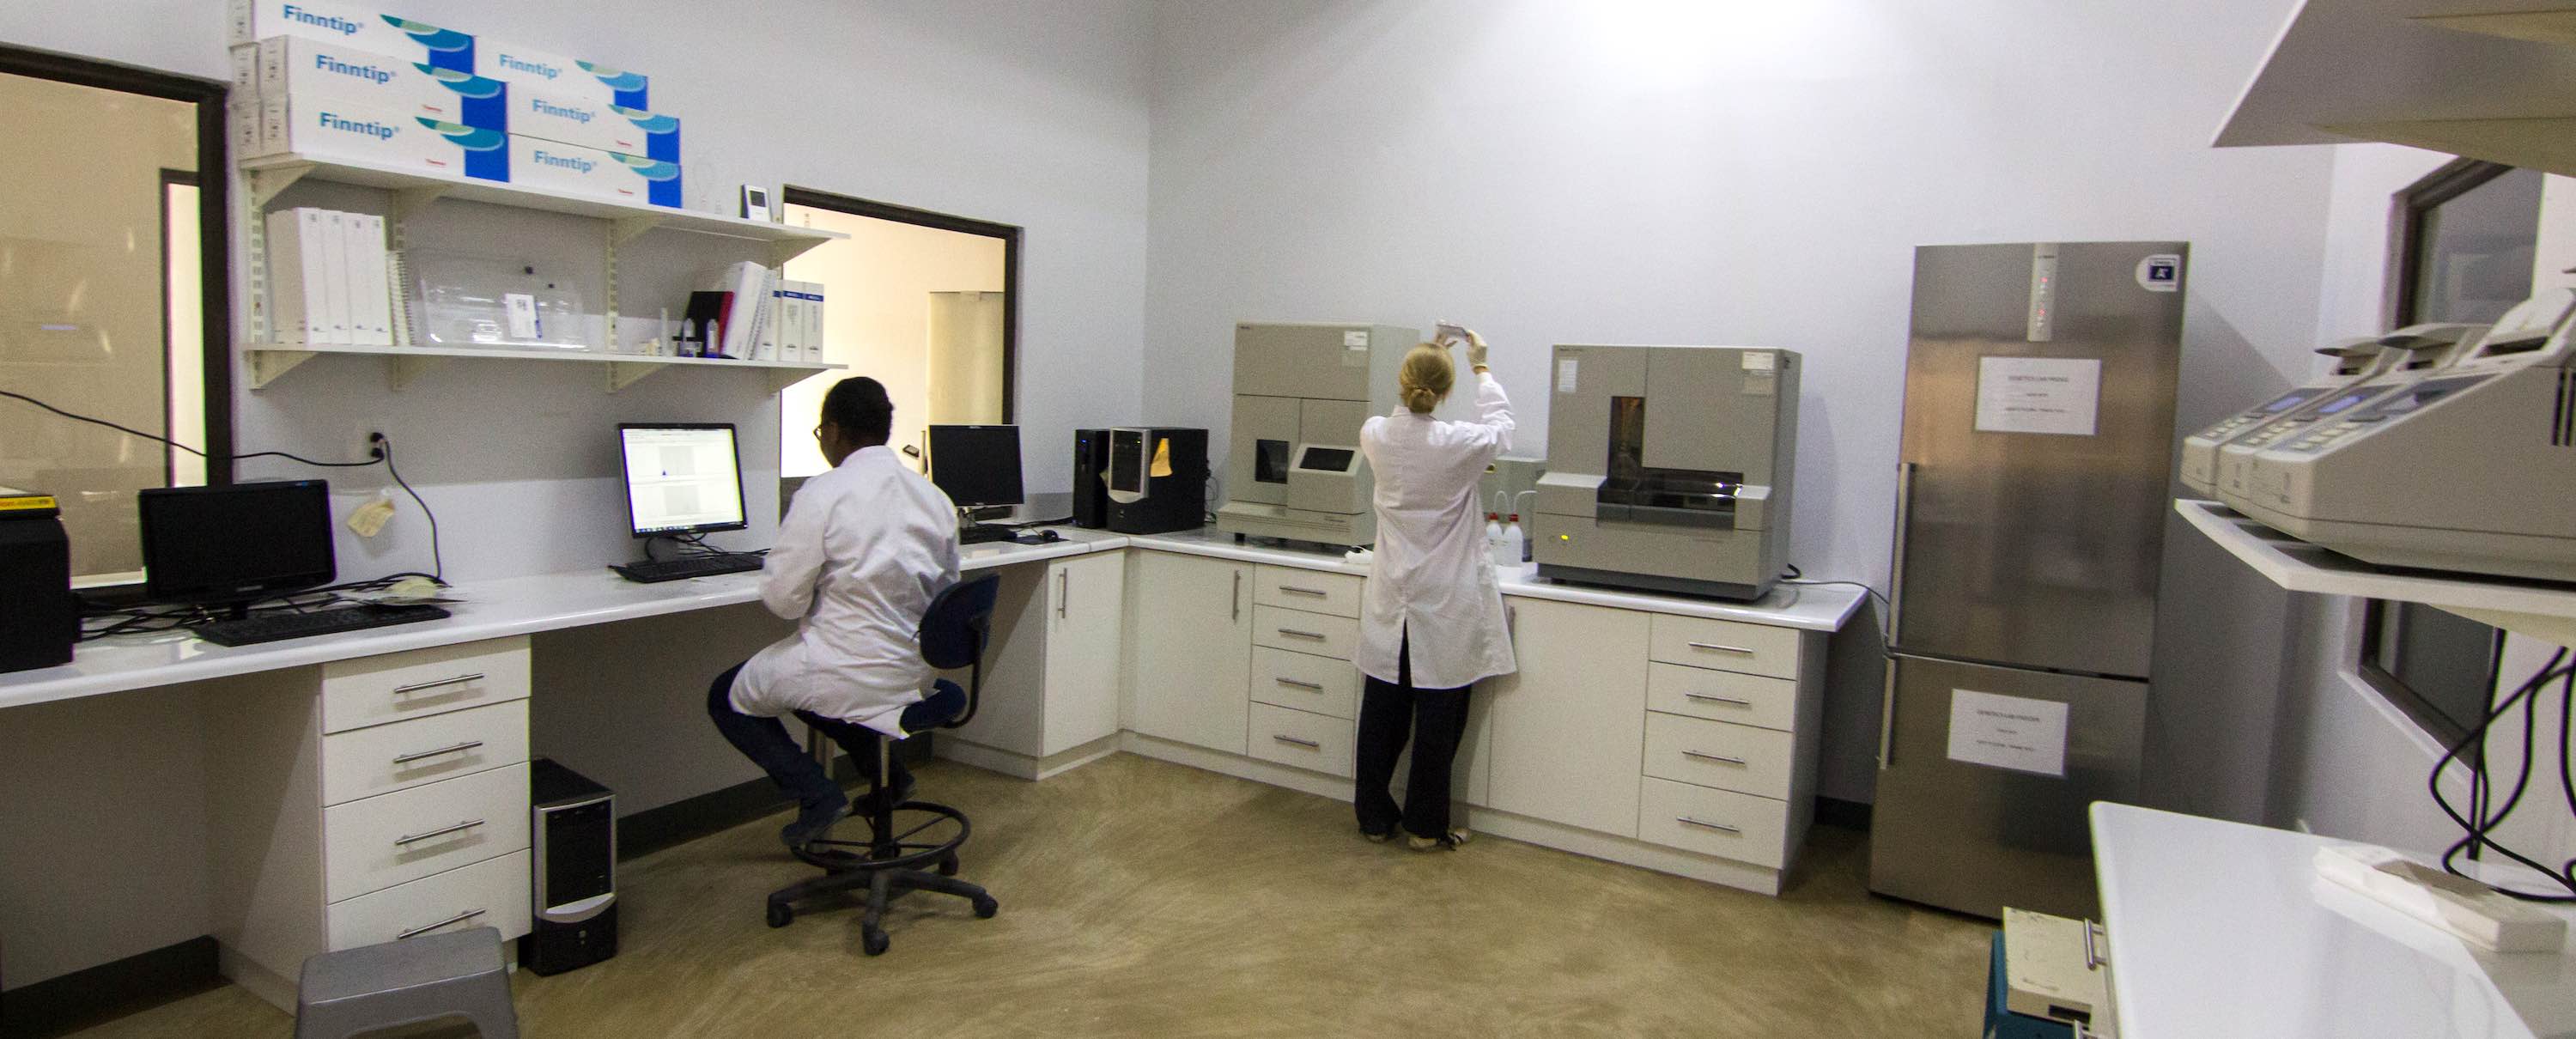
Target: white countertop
column 2218, row 928
column 549, row 602
column 1808, row 607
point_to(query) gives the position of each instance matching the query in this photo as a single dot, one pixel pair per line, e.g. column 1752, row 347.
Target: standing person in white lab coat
column 860, row 553
column 1431, row 622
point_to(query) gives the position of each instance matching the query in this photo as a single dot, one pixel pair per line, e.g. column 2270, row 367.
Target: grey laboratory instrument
column 1301, row 392
column 2469, row 468
column 1668, row 468
column 2420, row 350
column 2031, row 499
column 2350, row 363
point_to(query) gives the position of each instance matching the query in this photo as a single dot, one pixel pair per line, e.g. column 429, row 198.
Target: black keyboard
column 984, row 532
column 652, row 571
column 271, row 627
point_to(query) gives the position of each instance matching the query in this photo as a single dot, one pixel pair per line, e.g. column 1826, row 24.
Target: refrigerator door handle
column 1887, row 719
column 1896, row 570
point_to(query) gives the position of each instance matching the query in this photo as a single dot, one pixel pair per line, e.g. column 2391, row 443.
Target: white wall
column 1640, row 171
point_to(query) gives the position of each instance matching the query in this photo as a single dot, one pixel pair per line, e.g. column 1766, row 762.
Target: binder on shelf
column 297, row 271
column 814, row 322
column 370, row 294
column 767, row 348
column 335, row 286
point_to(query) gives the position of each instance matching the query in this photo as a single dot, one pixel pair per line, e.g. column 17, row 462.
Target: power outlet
column 371, row 445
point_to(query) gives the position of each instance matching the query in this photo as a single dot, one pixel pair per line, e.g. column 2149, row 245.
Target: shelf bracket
column 408, row 202
column 625, row 228
column 267, row 184
column 782, row 378
column 782, row 251
column 401, row 370
column 622, row 374
column 267, row 365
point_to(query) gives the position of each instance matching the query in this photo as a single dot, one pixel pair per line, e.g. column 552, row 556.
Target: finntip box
column 320, row 129
column 557, row 76
column 356, row 27
column 574, row 170
column 612, row 128
column 320, row 71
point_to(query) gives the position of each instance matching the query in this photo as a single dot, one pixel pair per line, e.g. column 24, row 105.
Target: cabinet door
column 1190, row 642
column 1569, row 730
column 1082, row 674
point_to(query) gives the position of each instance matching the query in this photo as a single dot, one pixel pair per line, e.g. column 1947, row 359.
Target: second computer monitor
column 681, row 477
column 978, row 466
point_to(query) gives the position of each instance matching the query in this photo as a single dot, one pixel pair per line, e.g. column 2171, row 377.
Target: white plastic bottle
column 1494, row 535
column 1508, row 556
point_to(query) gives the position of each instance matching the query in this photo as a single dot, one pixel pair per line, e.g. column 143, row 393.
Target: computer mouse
column 1049, row 535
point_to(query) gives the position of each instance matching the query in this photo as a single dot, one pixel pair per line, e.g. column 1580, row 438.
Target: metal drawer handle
column 1295, row 634
column 1234, row 601
column 419, row 686
column 419, row 754
column 426, row 928
column 1719, row 699
column 1309, row 686
column 2093, row 960
column 1712, row 757
column 1714, row 647
column 1719, row 827
column 1294, row 590
column 1308, row 744
column 439, row 832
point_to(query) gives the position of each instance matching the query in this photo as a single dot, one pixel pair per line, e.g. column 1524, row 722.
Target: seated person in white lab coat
column 860, row 553
column 1431, row 622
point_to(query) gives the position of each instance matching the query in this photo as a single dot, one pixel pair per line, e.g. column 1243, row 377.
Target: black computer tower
column 1090, row 468
column 1157, row 479
column 575, row 836
column 39, row 620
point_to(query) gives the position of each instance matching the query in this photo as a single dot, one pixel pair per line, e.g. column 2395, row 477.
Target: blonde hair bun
column 1426, row 377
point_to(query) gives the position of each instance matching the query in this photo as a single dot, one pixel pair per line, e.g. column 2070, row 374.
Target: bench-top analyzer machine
column 1668, row 468
column 2468, row 466
column 1301, row 392
column 2414, row 351
column 2354, row 361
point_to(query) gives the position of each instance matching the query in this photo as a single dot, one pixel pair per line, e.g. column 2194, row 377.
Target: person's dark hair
column 859, row 406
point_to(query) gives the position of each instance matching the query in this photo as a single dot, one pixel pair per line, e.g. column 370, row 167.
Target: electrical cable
column 130, row 431
column 437, row 563
column 1798, row 577
column 2479, row 823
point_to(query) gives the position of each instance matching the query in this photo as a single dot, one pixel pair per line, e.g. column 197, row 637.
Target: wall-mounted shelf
column 2488, row 79
column 413, row 191
column 404, row 363
column 2536, row 608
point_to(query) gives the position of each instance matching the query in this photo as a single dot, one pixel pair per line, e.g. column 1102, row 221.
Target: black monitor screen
column 1326, row 459
column 976, row 465
column 237, row 543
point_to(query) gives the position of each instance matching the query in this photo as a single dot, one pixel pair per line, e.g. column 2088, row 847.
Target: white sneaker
column 1446, row 841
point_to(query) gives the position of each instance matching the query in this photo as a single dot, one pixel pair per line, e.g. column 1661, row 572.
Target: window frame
column 2409, row 701
column 1008, row 233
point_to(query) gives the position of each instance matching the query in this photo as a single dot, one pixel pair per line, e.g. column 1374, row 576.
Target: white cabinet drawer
column 1741, row 758
column 1317, row 685
column 1755, row 649
column 1336, row 594
column 1302, row 632
column 403, row 836
column 490, row 893
column 1725, row 696
column 384, row 758
column 1713, row 822
column 1308, row 741
column 423, row 682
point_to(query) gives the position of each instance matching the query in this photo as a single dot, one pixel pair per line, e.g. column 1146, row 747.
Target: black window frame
column 1008, row 233
column 2414, row 202
column 213, row 181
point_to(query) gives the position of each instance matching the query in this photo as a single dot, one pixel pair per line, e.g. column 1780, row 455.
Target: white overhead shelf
column 414, row 190
column 2489, row 79
column 2536, row 608
column 404, row 363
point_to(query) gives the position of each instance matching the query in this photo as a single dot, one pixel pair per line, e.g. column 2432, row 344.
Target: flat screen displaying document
column 681, row 478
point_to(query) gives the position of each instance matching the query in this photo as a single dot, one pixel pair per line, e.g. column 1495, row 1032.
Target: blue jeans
column 766, row 743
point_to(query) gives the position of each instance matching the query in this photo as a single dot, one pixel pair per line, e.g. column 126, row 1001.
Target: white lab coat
column 860, row 553
column 1432, row 575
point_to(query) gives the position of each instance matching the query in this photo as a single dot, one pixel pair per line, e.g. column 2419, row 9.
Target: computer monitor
column 978, row 466
column 236, row 544
column 681, row 477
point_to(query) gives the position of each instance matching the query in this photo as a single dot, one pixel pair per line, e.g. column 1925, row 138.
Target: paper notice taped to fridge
column 1162, row 459
column 2038, row 395
column 2013, row 732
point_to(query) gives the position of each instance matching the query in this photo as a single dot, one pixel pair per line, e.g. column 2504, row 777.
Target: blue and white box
column 321, row 129
column 613, row 128
column 554, row 75
column 356, row 27
column 574, row 170
column 321, row 71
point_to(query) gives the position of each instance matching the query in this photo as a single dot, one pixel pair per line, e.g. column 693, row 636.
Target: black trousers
column 1437, row 719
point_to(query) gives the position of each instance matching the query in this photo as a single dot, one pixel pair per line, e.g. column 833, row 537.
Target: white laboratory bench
column 1674, row 734
column 2219, row 928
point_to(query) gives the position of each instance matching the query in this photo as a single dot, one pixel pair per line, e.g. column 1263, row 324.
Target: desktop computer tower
column 1090, row 468
column 575, row 834
column 1157, row 479
column 39, row 620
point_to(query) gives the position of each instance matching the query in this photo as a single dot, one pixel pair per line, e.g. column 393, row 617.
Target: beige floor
column 1142, row 898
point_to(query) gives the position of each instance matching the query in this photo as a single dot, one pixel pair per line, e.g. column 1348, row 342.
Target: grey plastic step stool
column 355, row 991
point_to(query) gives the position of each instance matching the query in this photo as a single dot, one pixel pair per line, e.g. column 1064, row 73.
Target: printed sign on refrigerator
column 2054, row 395
column 2013, row 732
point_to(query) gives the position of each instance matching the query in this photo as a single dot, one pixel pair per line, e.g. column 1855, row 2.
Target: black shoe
column 814, row 822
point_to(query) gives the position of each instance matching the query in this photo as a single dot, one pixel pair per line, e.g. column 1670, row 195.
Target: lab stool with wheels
column 907, row 841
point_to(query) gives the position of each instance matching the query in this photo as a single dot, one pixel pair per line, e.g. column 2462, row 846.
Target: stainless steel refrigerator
column 2031, row 490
